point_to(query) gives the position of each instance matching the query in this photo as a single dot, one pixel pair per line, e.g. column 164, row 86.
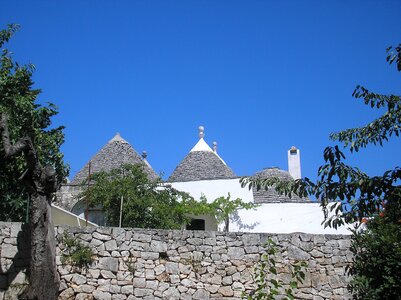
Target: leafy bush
column 146, row 203
column 270, row 286
column 376, row 265
column 76, row 253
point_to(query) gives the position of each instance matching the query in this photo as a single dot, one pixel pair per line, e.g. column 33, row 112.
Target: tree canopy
column 26, row 117
column 374, row 201
column 145, row 203
column 221, row 208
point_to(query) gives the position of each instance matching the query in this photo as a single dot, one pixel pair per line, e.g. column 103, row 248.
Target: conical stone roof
column 270, row 195
column 116, row 153
column 201, row 163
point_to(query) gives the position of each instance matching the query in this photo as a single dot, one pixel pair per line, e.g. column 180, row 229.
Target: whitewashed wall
column 269, row 217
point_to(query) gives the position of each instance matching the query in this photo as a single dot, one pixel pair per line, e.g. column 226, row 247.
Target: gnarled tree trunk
column 41, row 184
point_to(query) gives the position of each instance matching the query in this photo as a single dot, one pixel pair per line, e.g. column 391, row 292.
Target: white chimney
column 294, row 162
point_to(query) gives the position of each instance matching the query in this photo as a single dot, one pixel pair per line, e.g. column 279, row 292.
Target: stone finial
column 215, row 146
column 144, row 154
column 201, row 132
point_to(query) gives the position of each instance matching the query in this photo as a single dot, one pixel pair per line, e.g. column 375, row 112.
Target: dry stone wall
column 168, row 264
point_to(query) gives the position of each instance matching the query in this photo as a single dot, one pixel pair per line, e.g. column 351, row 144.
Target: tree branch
column 9, row 149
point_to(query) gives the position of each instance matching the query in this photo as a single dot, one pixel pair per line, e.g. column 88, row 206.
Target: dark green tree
column 31, row 165
column 26, row 118
column 145, row 203
column 361, row 199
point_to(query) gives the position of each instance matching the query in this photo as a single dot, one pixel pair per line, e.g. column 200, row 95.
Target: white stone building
column 204, row 172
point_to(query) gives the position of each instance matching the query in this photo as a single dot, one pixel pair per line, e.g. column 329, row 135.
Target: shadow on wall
column 14, row 260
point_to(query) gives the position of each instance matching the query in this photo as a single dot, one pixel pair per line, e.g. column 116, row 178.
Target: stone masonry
column 171, row 264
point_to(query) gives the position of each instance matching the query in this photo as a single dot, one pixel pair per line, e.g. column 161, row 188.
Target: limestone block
column 187, row 283
column 8, row 251
column 127, row 289
column 236, row 253
column 212, row 288
column 83, row 296
column 111, row 245
column 95, row 243
column 86, row 288
column 227, row 280
column 210, row 241
column 231, row 270
column 174, row 278
column 319, row 239
column 104, row 285
column 115, row 289
column 78, row 279
column 159, row 269
column 172, row 268
column 67, row 294
column 152, row 284
column 141, row 237
column 108, row 263
column 251, row 239
column 94, row 273
column 297, row 254
column 100, row 295
column 107, row 274
column 195, row 241
column 142, row 292
column 102, row 237
column 118, row 297
column 201, row 294
column 226, row 291
column 149, row 255
column 149, row 274
column 116, row 254
column 158, row 246
column 163, row 286
column 182, row 289
column 238, row 286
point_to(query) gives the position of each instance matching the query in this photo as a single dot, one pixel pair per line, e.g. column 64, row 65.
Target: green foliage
column 146, row 204
column 269, row 286
column 359, row 197
column 376, row 265
column 75, row 253
column 394, row 55
column 25, row 118
column 221, row 208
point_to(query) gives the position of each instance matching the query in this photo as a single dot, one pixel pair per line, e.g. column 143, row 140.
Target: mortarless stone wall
column 171, row 264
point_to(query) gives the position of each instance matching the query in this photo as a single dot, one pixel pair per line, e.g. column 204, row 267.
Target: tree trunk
column 226, row 224
column 44, row 281
column 43, row 277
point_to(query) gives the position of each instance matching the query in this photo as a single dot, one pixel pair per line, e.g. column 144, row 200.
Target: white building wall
column 269, row 217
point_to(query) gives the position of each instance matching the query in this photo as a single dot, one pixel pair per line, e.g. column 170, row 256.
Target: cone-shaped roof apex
column 116, row 153
column 201, row 163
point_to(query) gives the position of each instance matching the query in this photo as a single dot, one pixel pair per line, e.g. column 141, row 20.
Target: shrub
column 376, row 265
column 76, row 253
column 270, row 286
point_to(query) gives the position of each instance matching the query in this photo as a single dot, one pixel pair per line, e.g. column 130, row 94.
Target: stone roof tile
column 116, row 153
column 270, row 195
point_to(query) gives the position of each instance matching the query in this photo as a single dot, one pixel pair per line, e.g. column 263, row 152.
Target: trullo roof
column 270, row 195
column 201, row 163
column 116, row 153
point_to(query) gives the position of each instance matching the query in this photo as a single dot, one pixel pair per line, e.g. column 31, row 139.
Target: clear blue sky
column 261, row 76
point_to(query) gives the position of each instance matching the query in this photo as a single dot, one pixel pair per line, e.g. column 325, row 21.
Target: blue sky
column 260, row 76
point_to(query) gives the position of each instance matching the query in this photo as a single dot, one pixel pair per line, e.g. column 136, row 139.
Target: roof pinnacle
column 201, row 132
column 215, row 147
